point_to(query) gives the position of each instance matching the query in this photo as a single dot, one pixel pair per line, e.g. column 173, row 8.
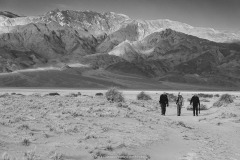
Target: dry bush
column 143, row 96
column 205, row 100
column 30, row 155
column 224, row 100
column 205, row 95
column 109, row 148
column 26, row 142
column 228, row 115
column 99, row 94
column 125, row 156
column 72, row 95
column 24, row 127
column 182, row 124
column 4, row 95
column 54, row 94
column 114, row 95
column 120, row 105
column 100, row 154
column 171, row 97
column 57, row 156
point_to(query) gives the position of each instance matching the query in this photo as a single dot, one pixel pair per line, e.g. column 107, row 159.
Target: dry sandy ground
column 34, row 127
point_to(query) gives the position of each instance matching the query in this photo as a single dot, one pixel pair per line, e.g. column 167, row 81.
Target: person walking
column 163, row 102
column 180, row 103
column 195, row 102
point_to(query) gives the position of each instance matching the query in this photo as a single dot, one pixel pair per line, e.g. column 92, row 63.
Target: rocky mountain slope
column 114, row 42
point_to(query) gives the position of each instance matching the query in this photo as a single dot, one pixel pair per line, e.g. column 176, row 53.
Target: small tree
column 114, row 95
column 143, row 96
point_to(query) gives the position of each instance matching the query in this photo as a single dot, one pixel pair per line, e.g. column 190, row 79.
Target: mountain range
column 114, row 44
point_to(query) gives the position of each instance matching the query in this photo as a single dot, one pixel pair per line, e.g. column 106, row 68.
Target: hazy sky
column 218, row 14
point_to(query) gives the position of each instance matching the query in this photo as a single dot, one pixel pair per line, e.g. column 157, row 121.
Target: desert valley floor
column 36, row 126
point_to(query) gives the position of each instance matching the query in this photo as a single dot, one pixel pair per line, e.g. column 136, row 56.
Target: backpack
column 180, row 100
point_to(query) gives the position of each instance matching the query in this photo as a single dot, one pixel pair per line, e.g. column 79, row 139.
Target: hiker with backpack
column 196, row 102
column 180, row 103
column 163, row 102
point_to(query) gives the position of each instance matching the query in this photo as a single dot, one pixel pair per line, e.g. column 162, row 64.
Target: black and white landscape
column 87, row 49
column 83, row 82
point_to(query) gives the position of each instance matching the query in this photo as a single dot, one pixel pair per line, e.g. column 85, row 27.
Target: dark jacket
column 163, row 99
column 195, row 101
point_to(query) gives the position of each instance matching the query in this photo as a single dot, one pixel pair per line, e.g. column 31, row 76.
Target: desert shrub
column 202, row 107
column 26, row 142
column 30, row 155
column 57, row 156
column 99, row 154
column 224, row 100
column 36, row 95
column 143, row 96
column 171, row 97
column 54, row 94
column 24, row 127
column 205, row 95
column 99, row 94
column 217, row 95
column 4, row 95
column 124, row 156
column 205, row 100
column 228, row 115
column 121, row 105
column 114, row 95
column 109, row 148
column 72, row 95
column 182, row 124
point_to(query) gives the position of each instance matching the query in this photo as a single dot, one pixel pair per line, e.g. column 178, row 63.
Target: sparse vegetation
column 124, row 156
column 224, row 100
column 205, row 95
column 54, row 94
column 99, row 94
column 57, row 156
column 26, row 142
column 109, row 148
column 4, row 95
column 113, row 95
column 99, row 154
column 72, row 95
column 143, row 96
column 228, row 115
column 182, row 124
column 205, row 100
column 171, row 97
column 24, row 127
column 30, row 155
